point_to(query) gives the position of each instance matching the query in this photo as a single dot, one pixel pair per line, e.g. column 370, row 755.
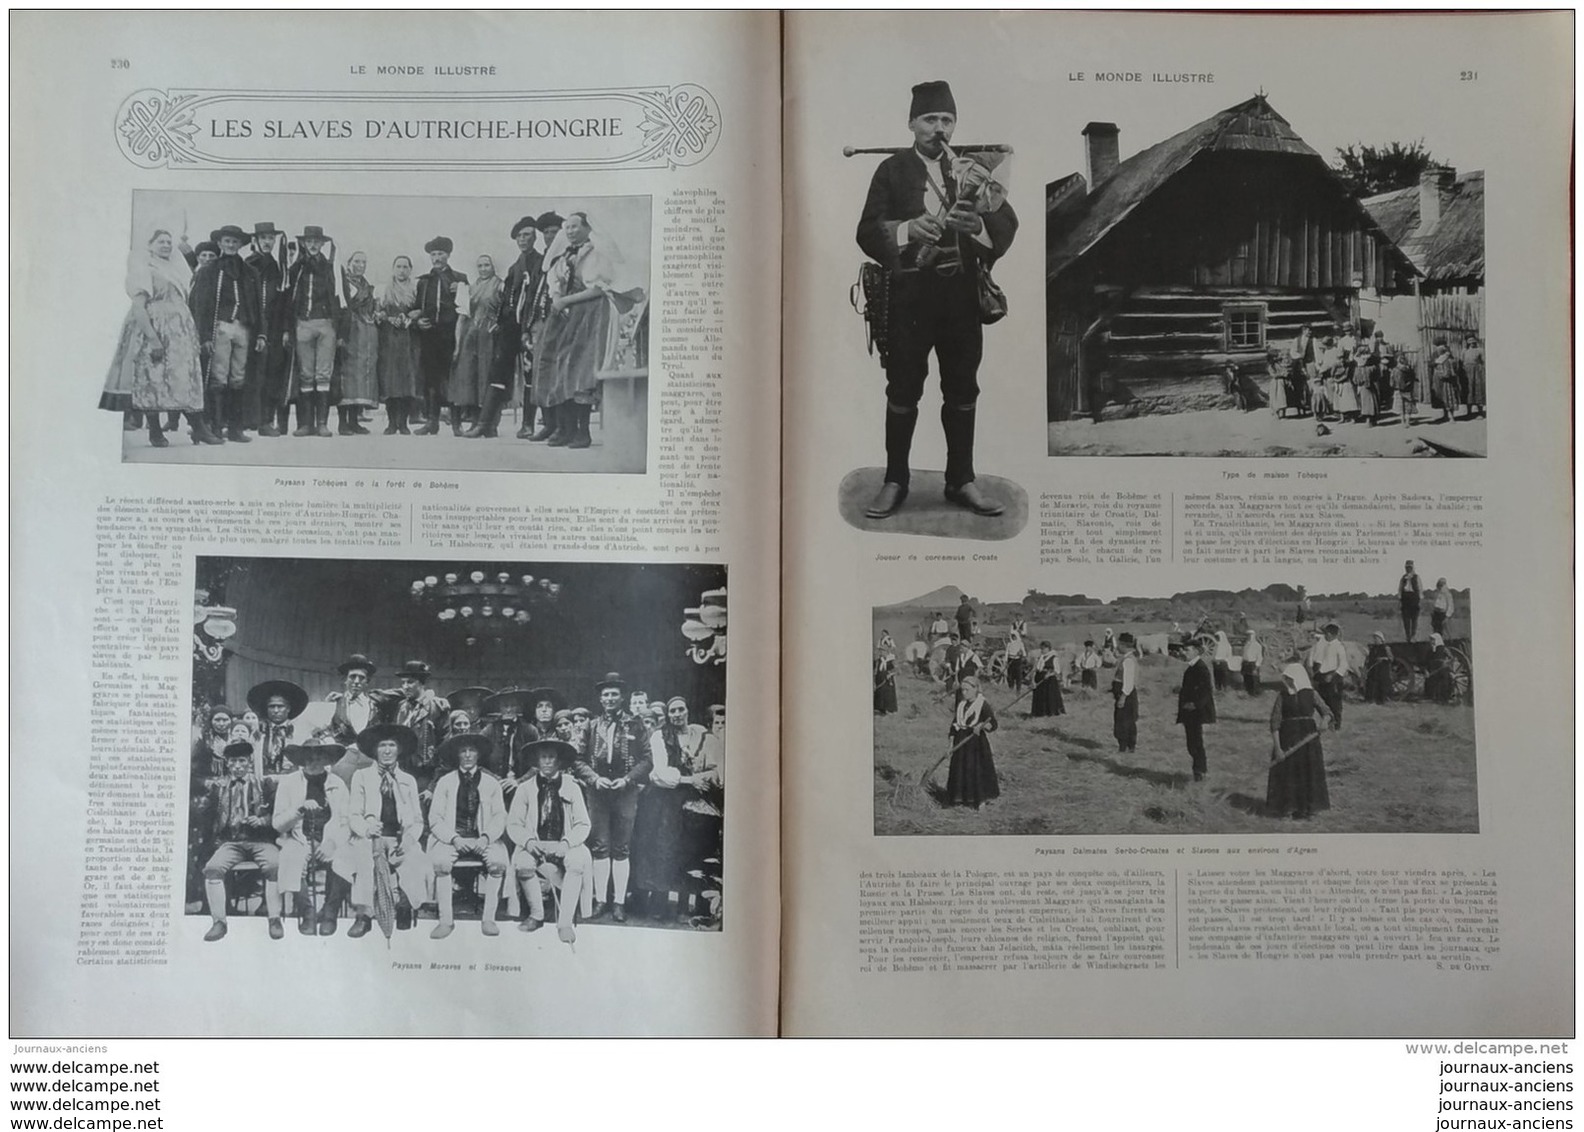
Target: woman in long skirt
column 156, row 368
column 357, row 364
column 576, row 332
column 1444, row 374
column 1047, row 683
column 666, row 845
column 475, row 348
column 885, row 696
column 397, row 367
column 1377, row 670
column 1296, row 783
column 972, row 780
column 1474, row 368
column 1365, row 372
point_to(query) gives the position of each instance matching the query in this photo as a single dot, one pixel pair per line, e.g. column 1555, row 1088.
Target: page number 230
column 1468, row 76
column 120, row 64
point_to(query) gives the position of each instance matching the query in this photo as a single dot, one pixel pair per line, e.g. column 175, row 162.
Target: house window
column 1244, row 326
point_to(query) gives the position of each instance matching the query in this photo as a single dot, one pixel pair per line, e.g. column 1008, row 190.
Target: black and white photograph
column 438, row 747
column 934, row 222
column 1259, row 285
column 1213, row 711
column 443, row 333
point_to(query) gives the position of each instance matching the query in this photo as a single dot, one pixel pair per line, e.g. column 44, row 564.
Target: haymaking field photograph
column 1255, row 711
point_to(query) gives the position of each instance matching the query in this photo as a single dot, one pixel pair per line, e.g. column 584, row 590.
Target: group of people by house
column 231, row 333
column 604, row 806
column 1338, row 374
column 1309, row 697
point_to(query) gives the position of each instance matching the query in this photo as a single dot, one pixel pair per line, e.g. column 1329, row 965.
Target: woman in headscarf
column 885, row 696
column 1474, row 371
column 577, row 322
column 1365, row 372
column 1377, row 670
column 1440, row 686
column 358, row 363
column 475, row 348
column 1444, row 378
column 1442, row 606
column 1047, row 699
column 1296, row 783
column 669, row 839
column 1253, row 658
column 971, row 779
column 397, row 367
column 156, row 367
column 1221, row 660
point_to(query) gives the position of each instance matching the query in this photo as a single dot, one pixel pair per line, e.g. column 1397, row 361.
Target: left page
column 377, row 626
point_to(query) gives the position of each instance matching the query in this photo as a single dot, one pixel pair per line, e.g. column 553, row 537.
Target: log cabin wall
column 297, row 619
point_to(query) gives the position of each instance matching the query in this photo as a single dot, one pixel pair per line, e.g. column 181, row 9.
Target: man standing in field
column 1196, row 705
column 1408, row 591
column 1331, row 665
column 1124, row 696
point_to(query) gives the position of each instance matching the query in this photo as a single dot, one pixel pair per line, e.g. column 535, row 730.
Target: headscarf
column 143, row 266
column 483, row 290
column 399, row 295
column 1295, row 675
column 595, row 267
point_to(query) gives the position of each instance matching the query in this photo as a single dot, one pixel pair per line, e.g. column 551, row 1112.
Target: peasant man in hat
column 226, row 304
column 313, row 308
column 277, row 703
column 270, row 382
column 513, row 351
column 355, row 704
column 549, row 824
column 934, row 225
column 613, row 763
column 412, row 703
column 385, row 818
column 242, row 832
column 310, row 819
column 467, row 822
column 437, row 322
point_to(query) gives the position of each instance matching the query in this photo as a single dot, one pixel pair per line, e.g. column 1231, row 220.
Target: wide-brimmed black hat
column 533, row 695
column 525, row 222
column 370, row 737
column 266, row 228
column 610, row 680
column 511, row 700
column 564, row 751
column 549, row 220
column 296, row 698
column 446, row 753
column 416, row 669
column 313, row 232
column 298, row 754
column 440, row 244
column 471, row 700
column 357, row 660
column 230, row 230
column 241, row 749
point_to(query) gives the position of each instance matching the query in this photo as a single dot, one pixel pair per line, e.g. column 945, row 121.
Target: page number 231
column 126, row 65
column 1468, row 76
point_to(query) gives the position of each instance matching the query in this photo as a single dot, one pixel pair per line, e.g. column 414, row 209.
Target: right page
column 1180, row 407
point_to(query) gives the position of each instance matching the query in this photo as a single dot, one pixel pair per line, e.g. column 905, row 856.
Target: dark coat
column 1196, row 697
column 205, row 292
column 900, row 192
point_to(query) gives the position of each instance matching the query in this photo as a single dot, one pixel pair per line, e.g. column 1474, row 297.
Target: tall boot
column 525, row 429
column 392, row 414
column 489, row 415
column 431, row 423
column 344, row 420
column 355, row 420
column 562, row 414
column 547, row 425
column 201, row 433
column 580, row 427
column 172, row 422
column 336, row 890
column 899, row 426
column 156, row 434
column 958, row 425
column 305, row 415
column 456, row 420
column 403, row 411
column 322, row 414
column 271, row 422
column 235, row 408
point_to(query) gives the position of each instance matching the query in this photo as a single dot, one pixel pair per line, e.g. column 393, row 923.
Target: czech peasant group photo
column 379, row 320
column 383, row 743
column 1264, row 710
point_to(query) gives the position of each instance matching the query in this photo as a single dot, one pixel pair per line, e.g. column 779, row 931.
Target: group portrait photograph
column 382, row 747
column 429, row 333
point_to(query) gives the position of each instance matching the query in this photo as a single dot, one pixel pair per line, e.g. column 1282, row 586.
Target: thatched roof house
column 1440, row 224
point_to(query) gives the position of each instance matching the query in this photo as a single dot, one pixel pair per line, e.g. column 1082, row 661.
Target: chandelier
column 484, row 603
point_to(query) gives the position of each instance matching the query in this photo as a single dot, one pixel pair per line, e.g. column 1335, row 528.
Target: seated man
column 240, row 829
column 311, row 820
column 386, row 820
column 467, row 820
column 549, row 824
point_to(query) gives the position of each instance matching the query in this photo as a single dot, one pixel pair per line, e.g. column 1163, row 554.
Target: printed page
column 1186, row 648
column 422, row 375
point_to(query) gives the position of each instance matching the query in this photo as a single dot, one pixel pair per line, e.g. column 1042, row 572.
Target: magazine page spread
column 1180, row 406
column 421, row 375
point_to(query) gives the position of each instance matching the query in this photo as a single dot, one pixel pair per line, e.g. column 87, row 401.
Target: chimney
column 1435, row 195
column 1101, row 150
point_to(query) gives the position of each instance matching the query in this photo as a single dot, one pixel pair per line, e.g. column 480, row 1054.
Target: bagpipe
column 870, row 296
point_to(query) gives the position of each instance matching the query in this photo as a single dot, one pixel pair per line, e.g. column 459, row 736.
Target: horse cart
column 1417, row 671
